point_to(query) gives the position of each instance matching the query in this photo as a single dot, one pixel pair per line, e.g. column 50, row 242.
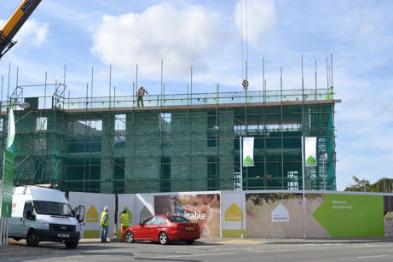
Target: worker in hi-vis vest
column 124, row 221
column 104, row 223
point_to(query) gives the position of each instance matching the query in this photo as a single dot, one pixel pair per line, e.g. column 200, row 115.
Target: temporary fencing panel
column 254, row 214
column 233, row 215
column 94, row 203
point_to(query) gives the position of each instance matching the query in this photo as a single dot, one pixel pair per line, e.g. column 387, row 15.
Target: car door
column 150, row 227
column 141, row 231
column 154, row 228
column 159, row 224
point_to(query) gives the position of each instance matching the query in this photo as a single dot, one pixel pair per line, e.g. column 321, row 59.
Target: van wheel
column 71, row 244
column 190, row 242
column 163, row 238
column 32, row 239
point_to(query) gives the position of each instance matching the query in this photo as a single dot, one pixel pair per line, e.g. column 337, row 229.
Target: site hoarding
column 256, row 214
column 388, row 216
column 281, row 215
column 94, row 204
column 203, row 209
column 232, row 214
column 139, row 206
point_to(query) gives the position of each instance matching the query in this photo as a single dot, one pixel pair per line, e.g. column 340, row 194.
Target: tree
column 360, row 185
column 383, row 185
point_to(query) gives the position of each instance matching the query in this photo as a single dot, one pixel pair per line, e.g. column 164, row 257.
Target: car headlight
column 45, row 225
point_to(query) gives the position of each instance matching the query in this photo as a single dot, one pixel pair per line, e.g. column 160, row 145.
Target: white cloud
column 31, row 33
column 260, row 19
column 182, row 37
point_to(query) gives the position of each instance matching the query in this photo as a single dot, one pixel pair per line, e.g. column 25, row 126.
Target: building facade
column 175, row 142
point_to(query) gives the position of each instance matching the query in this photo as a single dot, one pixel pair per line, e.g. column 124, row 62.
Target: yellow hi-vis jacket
column 104, row 219
column 124, row 219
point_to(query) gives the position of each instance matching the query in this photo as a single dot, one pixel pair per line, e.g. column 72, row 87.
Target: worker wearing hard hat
column 104, row 223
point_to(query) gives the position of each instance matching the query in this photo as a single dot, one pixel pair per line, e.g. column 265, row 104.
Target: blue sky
column 206, row 35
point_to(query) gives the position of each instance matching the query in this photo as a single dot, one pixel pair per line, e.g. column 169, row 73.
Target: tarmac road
column 217, row 251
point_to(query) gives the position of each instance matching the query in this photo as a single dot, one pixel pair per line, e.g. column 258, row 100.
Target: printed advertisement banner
column 248, row 151
column 310, row 149
column 9, row 168
column 232, row 214
column 281, row 215
column 10, row 129
column 203, row 209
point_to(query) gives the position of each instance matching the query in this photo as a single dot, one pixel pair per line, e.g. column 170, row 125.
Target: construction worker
column 140, row 93
column 104, row 223
column 124, row 221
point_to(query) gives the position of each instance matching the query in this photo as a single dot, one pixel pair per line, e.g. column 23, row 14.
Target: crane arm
column 14, row 24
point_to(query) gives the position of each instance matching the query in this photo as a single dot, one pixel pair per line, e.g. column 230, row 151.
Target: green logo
column 248, row 161
column 311, row 161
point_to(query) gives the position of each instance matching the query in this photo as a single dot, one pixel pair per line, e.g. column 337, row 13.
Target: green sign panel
column 9, row 169
column 351, row 215
column 6, row 207
column 8, row 180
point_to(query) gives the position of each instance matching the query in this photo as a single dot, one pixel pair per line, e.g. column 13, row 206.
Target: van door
column 28, row 219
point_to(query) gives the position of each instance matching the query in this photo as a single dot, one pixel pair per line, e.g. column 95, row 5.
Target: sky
column 207, row 35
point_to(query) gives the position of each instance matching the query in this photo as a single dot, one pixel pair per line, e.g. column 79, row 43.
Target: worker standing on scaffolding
column 140, row 93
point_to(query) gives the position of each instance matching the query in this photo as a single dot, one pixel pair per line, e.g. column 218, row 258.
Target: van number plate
column 63, row 235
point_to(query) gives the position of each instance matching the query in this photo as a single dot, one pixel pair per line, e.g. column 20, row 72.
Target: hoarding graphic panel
column 351, row 215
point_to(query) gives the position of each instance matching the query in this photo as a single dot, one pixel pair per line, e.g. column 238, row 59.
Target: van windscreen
column 52, row 208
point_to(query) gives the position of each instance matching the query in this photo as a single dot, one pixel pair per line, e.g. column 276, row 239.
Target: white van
column 43, row 214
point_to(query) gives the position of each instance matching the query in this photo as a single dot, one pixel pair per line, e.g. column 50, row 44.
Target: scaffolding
column 176, row 142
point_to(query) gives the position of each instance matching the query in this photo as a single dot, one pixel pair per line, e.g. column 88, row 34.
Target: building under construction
column 180, row 142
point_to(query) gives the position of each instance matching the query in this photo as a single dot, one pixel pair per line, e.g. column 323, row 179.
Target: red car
column 163, row 229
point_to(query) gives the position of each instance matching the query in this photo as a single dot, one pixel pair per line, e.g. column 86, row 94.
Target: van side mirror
column 30, row 215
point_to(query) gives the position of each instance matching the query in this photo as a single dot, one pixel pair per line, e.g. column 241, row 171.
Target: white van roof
column 41, row 193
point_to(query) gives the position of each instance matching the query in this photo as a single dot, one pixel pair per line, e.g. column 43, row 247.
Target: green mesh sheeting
column 175, row 147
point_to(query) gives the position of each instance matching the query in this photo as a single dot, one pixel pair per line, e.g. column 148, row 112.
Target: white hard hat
column 106, row 208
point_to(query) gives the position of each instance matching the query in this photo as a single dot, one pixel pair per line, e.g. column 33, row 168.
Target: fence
column 255, row 214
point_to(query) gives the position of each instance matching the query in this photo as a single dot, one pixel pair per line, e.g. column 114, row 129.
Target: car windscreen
column 52, row 208
column 177, row 219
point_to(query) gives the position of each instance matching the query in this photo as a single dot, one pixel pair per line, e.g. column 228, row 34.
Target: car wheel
column 32, row 239
column 129, row 237
column 190, row 242
column 163, row 238
column 71, row 244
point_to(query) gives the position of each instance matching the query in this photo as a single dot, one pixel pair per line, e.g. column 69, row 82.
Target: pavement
column 218, row 250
